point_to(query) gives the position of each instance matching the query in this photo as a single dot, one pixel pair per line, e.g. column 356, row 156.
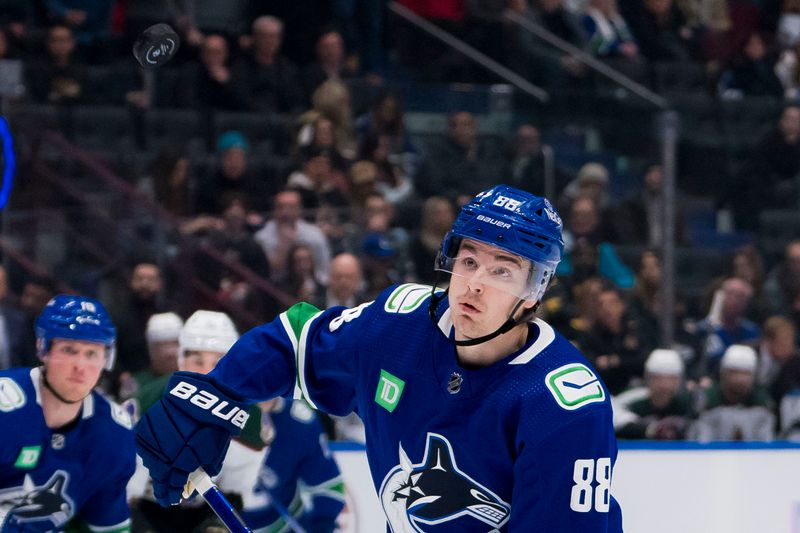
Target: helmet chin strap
column 507, row 326
column 60, row 398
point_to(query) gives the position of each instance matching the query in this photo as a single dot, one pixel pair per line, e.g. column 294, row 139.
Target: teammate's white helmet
column 207, row 331
column 163, row 327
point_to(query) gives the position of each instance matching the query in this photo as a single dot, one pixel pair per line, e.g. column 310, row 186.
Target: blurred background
column 318, row 150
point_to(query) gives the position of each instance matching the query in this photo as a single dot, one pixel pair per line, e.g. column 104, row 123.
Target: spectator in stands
column 379, row 259
column 392, row 181
column 57, row 78
column 608, row 33
column 592, row 181
column 588, row 251
column 301, row 281
column 17, row 344
column 660, row 30
column 460, row 165
column 234, row 174
column 547, row 64
column 726, row 324
column 618, row 342
column 387, row 117
column 753, row 72
column 320, row 134
column 332, row 101
column 735, row 408
column 346, row 282
column 162, row 346
column 211, row 82
column 769, row 177
column 779, row 358
column 582, row 308
column 287, row 228
column 639, row 219
column 139, row 302
column 269, row 79
column 90, row 21
column 318, row 181
column 779, row 371
column 748, row 265
column 330, row 64
column 36, row 292
column 660, row 410
column 782, row 286
column 167, row 182
column 438, row 214
column 788, row 31
column 787, row 69
column 530, row 163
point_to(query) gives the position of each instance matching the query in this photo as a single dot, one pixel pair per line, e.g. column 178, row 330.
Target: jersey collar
column 546, row 336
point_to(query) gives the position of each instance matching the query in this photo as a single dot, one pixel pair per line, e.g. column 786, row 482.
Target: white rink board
column 709, row 490
column 663, row 488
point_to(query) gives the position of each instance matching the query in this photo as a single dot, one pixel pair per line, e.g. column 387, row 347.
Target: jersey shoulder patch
column 575, row 385
column 12, row 397
column 407, row 298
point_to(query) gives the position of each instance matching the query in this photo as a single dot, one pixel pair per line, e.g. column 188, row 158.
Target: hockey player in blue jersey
column 299, row 481
column 478, row 415
column 65, row 452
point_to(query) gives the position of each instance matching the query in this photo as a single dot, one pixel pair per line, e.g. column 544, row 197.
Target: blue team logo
column 435, row 491
column 32, row 504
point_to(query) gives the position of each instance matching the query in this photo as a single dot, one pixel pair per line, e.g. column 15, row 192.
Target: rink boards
column 662, row 487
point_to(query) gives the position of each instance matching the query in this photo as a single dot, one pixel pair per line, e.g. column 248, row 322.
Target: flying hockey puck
column 156, row 45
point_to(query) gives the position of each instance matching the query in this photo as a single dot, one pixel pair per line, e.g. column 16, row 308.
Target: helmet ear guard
column 76, row 318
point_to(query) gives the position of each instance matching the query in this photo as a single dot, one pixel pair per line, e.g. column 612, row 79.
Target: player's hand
column 189, row 427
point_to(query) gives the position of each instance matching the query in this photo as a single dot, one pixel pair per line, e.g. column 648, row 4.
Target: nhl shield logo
column 435, row 491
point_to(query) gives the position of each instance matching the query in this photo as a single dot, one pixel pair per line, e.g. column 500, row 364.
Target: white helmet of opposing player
column 207, row 331
column 163, row 327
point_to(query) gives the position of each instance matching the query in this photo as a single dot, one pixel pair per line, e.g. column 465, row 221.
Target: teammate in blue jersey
column 66, row 451
column 478, row 415
column 299, row 481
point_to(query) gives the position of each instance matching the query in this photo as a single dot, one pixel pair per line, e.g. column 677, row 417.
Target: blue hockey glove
column 189, row 427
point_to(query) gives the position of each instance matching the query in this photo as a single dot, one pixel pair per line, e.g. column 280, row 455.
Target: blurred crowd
column 361, row 203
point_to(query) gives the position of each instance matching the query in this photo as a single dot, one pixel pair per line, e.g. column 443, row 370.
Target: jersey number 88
column 587, row 472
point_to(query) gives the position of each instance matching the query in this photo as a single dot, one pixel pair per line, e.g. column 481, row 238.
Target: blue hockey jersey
column 49, row 476
column 524, row 445
column 298, row 466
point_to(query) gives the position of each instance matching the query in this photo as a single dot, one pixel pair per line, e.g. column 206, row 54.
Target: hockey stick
column 199, row 480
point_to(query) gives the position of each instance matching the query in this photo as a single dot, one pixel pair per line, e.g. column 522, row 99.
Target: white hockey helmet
column 163, row 327
column 739, row 357
column 664, row 362
column 207, row 331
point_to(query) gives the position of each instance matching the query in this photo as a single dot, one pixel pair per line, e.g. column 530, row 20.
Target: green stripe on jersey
column 298, row 315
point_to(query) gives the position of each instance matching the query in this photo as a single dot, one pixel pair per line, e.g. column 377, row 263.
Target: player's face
column 200, row 362
column 164, row 357
column 74, row 367
column 485, row 286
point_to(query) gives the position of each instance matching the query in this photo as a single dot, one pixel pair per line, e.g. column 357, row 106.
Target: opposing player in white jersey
column 478, row 415
column 66, row 452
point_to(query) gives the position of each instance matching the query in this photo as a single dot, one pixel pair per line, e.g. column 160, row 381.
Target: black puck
column 156, row 45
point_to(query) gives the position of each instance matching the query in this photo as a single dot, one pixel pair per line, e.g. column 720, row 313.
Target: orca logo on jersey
column 435, row 491
column 29, row 504
column 206, row 400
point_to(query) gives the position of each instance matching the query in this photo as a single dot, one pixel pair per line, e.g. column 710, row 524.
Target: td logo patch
column 390, row 388
column 28, row 457
column 575, row 385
